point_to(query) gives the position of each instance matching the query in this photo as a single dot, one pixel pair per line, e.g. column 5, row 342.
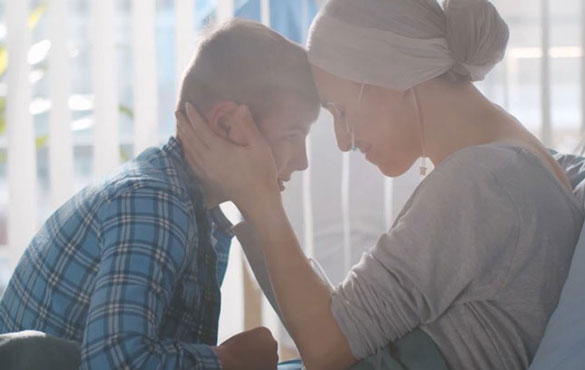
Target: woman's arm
column 303, row 299
column 248, row 239
column 314, row 341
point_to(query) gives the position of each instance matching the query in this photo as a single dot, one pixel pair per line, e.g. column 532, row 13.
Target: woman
column 477, row 257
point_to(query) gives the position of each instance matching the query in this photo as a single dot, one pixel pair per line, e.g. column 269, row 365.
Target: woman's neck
column 455, row 117
column 458, row 117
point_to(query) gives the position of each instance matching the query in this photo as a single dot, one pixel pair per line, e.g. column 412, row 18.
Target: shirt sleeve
column 144, row 240
column 446, row 246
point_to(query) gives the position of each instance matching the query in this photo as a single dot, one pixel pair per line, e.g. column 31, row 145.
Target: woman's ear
column 223, row 121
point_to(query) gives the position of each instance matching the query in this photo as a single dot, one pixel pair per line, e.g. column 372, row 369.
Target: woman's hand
column 246, row 174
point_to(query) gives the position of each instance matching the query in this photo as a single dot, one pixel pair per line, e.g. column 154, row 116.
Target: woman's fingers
column 200, row 126
column 193, row 146
column 187, row 132
column 249, row 124
column 193, row 157
column 195, row 150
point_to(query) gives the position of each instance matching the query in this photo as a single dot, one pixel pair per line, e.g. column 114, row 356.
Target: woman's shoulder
column 468, row 176
column 488, row 158
column 494, row 162
column 497, row 167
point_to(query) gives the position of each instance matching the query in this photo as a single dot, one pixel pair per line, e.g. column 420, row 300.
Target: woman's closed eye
column 293, row 136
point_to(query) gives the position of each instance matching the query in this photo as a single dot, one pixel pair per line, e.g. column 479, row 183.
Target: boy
column 131, row 268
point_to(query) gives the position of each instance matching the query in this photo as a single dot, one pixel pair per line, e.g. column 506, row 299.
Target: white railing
column 184, row 35
column 545, row 93
column 582, row 76
column 60, row 139
column 144, row 74
column 106, row 148
column 22, row 210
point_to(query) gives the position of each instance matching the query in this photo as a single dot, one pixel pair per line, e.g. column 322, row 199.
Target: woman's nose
column 343, row 137
column 301, row 159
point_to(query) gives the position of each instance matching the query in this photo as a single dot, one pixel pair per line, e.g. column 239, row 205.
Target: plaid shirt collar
column 191, row 183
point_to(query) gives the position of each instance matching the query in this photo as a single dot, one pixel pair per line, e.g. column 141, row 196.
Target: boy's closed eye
column 295, row 135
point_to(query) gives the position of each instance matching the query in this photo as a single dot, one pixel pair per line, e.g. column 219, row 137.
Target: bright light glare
column 82, row 123
column 39, row 106
column 39, row 51
column 80, row 102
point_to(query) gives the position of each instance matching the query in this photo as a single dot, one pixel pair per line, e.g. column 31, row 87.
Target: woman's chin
column 391, row 169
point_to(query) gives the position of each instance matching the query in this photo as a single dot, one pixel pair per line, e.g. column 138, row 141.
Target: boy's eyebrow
column 327, row 104
column 302, row 128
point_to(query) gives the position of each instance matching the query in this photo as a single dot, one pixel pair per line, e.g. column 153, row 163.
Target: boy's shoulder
column 157, row 170
column 155, row 181
column 149, row 171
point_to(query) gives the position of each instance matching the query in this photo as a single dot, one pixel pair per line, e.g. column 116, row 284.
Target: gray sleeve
column 255, row 256
column 253, row 251
column 441, row 249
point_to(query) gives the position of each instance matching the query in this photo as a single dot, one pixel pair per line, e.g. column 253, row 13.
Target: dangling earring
column 353, row 146
column 423, row 166
column 423, row 161
column 350, row 131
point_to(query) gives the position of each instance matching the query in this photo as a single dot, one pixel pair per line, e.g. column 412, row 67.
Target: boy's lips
column 281, row 183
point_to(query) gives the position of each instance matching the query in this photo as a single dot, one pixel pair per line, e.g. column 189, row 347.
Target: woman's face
column 384, row 124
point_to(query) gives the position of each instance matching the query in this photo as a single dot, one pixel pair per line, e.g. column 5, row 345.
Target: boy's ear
column 223, row 120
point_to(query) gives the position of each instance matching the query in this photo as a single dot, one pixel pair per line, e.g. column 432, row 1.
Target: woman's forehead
column 331, row 88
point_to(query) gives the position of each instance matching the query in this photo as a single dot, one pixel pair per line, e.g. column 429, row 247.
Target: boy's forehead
column 293, row 114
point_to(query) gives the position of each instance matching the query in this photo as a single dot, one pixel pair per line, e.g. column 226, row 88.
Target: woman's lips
column 368, row 154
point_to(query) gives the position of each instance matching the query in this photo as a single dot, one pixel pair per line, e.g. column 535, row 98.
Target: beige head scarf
column 401, row 43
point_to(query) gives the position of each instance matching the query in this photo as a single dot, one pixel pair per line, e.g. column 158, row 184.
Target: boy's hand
column 255, row 349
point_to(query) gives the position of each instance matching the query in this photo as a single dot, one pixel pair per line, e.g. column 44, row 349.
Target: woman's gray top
column 477, row 259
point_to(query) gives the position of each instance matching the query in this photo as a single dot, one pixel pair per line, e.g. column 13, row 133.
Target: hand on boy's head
column 242, row 173
column 241, row 126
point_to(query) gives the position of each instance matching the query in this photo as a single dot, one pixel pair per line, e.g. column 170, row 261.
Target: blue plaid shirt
column 130, row 268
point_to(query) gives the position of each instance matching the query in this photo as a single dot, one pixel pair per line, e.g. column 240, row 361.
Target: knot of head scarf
column 400, row 43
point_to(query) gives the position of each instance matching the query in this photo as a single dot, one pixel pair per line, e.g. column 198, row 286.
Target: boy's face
column 285, row 128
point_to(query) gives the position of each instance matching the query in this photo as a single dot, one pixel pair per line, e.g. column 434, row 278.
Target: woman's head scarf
column 400, row 43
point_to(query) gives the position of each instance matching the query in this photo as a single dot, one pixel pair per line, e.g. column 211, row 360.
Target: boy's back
column 131, row 268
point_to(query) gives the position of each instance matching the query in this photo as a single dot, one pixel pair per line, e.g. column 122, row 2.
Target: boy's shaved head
column 247, row 63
